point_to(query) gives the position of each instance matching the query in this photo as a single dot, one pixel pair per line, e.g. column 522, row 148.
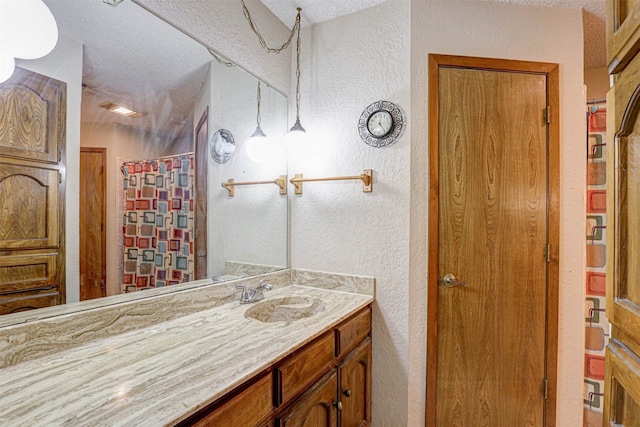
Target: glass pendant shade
column 258, row 147
column 28, row 30
column 296, row 135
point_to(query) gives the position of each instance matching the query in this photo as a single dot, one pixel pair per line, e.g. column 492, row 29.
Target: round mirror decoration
column 381, row 124
column 222, row 146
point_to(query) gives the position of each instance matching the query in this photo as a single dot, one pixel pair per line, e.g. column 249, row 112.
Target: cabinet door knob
column 347, row 393
column 339, row 406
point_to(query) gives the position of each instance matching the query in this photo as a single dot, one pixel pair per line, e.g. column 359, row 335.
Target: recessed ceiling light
column 124, row 111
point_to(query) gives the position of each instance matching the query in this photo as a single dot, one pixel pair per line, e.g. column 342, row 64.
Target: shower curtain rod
column 160, row 158
column 596, row 101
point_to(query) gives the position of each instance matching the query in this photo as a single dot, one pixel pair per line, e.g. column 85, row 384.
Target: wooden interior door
column 490, row 234
column 32, row 187
column 202, row 169
column 93, row 269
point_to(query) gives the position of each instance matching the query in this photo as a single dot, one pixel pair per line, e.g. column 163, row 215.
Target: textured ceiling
column 133, row 58
column 315, row 11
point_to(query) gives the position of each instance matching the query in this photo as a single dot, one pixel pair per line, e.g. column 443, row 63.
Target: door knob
column 450, row 281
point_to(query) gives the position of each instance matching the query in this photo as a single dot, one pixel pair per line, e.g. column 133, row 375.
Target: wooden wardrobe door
column 32, row 135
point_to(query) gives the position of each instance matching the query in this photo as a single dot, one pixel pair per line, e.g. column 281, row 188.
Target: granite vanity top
column 160, row 374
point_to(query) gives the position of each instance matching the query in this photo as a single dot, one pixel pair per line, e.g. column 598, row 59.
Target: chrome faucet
column 249, row 295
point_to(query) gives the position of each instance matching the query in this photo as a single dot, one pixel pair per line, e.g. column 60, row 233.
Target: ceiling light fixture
column 28, row 30
column 123, row 111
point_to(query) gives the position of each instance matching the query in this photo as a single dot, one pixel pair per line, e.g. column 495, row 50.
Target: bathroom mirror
column 180, row 94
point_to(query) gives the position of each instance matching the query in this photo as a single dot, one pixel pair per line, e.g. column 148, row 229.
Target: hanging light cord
column 258, row 118
column 263, row 43
column 297, row 24
column 220, row 60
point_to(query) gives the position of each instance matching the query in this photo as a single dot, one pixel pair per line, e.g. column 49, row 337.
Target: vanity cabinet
column 622, row 361
column 354, row 392
column 327, row 382
column 244, row 407
column 316, row 408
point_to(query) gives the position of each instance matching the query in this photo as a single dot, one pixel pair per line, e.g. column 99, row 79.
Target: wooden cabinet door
column 354, row 391
column 29, row 203
column 623, row 33
column 32, row 135
column 32, row 117
column 315, row 408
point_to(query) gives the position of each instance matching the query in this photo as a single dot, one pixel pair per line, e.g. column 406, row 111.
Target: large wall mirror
column 181, row 96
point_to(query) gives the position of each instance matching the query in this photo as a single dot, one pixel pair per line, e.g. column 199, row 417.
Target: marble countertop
column 161, row 374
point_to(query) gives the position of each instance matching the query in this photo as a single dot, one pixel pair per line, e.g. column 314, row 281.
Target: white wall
column 516, row 32
column 221, row 25
column 349, row 63
column 250, row 227
column 64, row 63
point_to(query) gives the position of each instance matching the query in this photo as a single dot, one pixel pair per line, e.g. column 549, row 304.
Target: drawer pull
column 347, row 393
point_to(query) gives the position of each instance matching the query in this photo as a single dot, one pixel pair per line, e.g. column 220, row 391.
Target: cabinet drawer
column 303, row 368
column 244, row 409
column 352, row 331
column 28, row 301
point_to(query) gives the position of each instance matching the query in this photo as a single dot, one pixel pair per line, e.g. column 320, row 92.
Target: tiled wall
column 596, row 324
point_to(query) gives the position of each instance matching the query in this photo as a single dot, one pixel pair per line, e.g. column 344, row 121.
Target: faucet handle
column 262, row 285
column 244, row 295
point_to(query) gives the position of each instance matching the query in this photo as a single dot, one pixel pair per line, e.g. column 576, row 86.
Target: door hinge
column 547, row 114
column 547, row 252
column 545, row 388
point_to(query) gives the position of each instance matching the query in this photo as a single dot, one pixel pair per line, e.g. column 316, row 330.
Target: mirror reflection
column 142, row 104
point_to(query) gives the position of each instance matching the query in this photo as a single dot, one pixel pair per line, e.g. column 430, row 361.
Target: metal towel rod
column 366, row 177
column 281, row 182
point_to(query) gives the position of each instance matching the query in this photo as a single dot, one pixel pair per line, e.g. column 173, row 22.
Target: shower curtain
column 596, row 324
column 158, row 222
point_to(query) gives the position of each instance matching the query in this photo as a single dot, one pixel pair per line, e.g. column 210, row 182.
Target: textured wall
column 221, row 25
column 250, row 227
column 514, row 32
column 64, row 63
column 349, row 63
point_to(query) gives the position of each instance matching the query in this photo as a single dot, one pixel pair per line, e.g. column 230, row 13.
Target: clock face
column 380, row 123
column 222, row 146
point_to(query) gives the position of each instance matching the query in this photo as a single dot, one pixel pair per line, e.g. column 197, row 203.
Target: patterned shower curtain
column 158, row 222
column 596, row 324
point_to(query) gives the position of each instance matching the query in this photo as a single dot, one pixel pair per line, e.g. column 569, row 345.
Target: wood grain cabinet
column 622, row 372
column 317, row 385
column 32, row 185
column 316, row 408
column 354, row 391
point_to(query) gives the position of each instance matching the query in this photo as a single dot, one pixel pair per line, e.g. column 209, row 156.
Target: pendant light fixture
column 28, row 30
column 297, row 134
column 258, row 143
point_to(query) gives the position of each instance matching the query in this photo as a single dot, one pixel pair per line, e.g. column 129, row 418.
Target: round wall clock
column 381, row 124
column 222, row 146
